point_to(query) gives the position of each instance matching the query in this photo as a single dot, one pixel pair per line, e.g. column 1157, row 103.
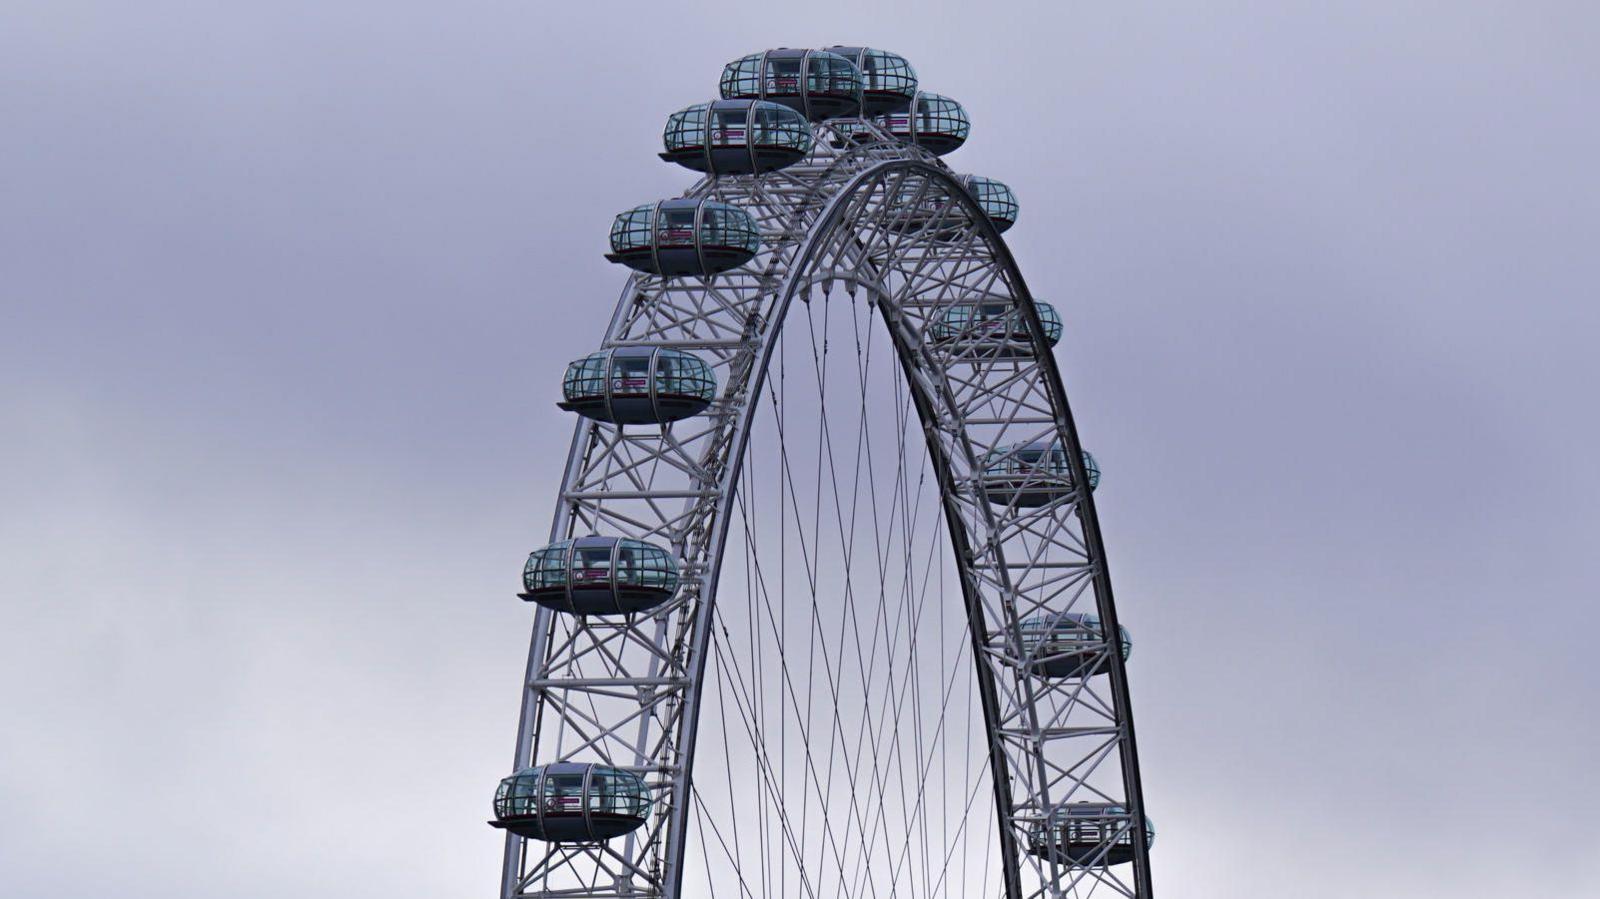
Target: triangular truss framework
column 627, row 692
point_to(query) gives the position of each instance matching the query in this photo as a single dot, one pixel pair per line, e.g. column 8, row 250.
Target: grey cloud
column 287, row 289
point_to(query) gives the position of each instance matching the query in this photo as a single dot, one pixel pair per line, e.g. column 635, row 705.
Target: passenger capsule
column 936, row 124
column 600, row 576
column 570, row 802
column 1032, row 474
column 736, row 137
column 638, row 385
column 995, row 199
column 684, row 237
column 1068, row 645
column 1088, row 834
column 888, row 83
column 929, row 206
column 994, row 329
column 815, row 83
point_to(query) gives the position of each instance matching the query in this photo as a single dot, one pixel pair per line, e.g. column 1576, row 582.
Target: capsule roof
column 817, row 84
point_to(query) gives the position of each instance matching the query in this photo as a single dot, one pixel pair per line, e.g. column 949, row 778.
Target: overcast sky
column 286, row 290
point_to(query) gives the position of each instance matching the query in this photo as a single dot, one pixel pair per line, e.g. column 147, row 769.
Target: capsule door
column 675, row 228
column 778, row 137
column 563, row 793
column 630, row 389
column 994, row 321
column 782, row 77
column 832, row 86
column 675, row 241
column 681, row 387
column 591, row 575
column 728, row 135
column 722, row 241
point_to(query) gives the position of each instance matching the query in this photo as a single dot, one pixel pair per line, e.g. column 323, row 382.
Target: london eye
column 824, row 609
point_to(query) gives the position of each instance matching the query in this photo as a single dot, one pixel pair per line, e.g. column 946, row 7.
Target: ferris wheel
column 825, row 610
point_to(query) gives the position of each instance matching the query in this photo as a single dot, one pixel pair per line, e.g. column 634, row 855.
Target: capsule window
column 675, row 228
column 995, row 199
column 730, row 127
column 780, row 126
column 936, row 123
column 627, row 562
column 591, row 564
column 831, row 74
column 742, row 78
column 657, row 569
column 642, row 565
column 617, row 793
column 725, row 227
column 683, row 375
column 940, row 115
column 887, row 72
column 992, row 318
column 587, row 377
column 762, row 126
column 632, row 228
column 630, row 375
column 516, row 796
column 1020, row 460
column 604, row 794
column 547, row 567
column 563, row 793
column 1051, row 320
column 686, row 128
column 1069, row 630
column 783, row 76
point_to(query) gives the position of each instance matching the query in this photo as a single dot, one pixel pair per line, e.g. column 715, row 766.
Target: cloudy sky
column 286, row 290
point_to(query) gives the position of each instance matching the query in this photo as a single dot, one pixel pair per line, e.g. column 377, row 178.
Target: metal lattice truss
column 627, row 691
